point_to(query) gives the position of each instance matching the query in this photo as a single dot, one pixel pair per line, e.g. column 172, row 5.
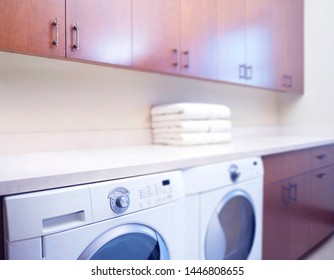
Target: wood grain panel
column 285, row 165
column 199, row 38
column 286, row 219
column 231, row 39
column 321, row 204
column 26, row 26
column 104, row 30
column 156, row 35
column 322, row 156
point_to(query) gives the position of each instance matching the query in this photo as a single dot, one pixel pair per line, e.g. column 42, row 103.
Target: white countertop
column 37, row 171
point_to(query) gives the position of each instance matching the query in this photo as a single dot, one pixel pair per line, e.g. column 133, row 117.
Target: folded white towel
column 192, row 126
column 195, row 110
column 185, row 139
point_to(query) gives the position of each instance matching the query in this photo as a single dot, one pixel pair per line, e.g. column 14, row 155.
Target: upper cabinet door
column 156, row 35
column 199, row 38
column 99, row 30
column 289, row 26
column 245, row 42
column 260, row 43
column 231, row 40
column 33, row 26
column 261, row 70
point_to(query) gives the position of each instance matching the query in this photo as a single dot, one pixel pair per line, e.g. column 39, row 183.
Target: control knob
column 119, row 200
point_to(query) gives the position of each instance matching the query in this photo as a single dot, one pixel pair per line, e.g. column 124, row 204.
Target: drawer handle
column 321, row 157
column 321, row 175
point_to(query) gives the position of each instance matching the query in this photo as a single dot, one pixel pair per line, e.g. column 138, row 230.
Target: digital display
column 166, row 182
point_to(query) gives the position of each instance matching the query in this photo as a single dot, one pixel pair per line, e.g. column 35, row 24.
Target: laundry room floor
column 324, row 251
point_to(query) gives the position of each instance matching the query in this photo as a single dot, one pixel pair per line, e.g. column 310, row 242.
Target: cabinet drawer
column 322, row 156
column 285, row 165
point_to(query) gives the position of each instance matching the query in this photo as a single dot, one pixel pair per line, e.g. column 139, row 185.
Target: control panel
column 125, row 196
column 208, row 177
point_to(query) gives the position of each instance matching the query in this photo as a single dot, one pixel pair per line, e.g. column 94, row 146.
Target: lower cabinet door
column 286, row 219
column 275, row 222
column 299, row 214
column 322, row 205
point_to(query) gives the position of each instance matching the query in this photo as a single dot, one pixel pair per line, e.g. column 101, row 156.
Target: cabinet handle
column 242, row 71
column 175, row 57
column 322, row 157
column 293, row 192
column 55, row 42
column 290, row 81
column 287, row 81
column 249, row 72
column 76, row 46
column 187, row 56
column 284, row 81
column 287, row 194
column 321, row 175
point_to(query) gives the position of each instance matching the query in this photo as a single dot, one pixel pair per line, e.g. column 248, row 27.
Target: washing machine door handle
column 234, row 173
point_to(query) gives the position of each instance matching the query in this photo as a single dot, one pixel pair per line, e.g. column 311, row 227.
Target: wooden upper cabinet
column 288, row 17
column 231, row 40
column 261, row 69
column 199, row 38
column 260, row 43
column 156, row 35
column 99, row 30
column 29, row 26
column 245, row 42
column 249, row 42
column 175, row 36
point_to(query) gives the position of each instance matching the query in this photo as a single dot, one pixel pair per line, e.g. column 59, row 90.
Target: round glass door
column 231, row 230
column 127, row 242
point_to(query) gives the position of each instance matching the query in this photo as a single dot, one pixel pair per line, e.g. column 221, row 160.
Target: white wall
column 47, row 95
column 316, row 107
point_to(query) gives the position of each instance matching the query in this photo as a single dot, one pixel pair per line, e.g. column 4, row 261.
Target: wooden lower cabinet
column 298, row 208
column 286, row 219
column 321, row 205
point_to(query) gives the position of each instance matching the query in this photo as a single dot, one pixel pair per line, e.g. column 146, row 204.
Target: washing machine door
column 231, row 229
column 127, row 242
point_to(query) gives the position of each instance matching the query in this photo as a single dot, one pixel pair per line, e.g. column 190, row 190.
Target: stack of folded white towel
column 191, row 124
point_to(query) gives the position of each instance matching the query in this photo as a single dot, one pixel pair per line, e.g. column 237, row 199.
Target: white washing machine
column 136, row 218
column 224, row 205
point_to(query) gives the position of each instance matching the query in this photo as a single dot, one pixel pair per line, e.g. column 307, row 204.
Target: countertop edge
column 38, row 183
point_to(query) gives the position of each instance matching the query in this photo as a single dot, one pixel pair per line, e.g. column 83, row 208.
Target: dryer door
column 127, row 242
column 231, row 229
